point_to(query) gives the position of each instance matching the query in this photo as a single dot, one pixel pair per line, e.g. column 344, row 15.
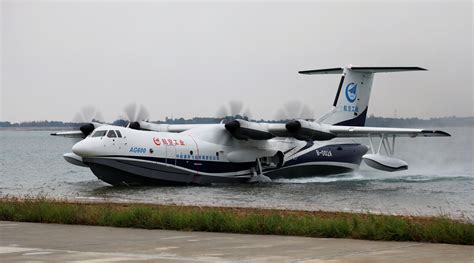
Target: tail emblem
column 351, row 92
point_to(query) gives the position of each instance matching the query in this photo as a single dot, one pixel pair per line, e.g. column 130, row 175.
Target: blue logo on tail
column 351, row 92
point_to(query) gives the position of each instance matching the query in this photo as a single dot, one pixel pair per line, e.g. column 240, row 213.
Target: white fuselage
column 201, row 155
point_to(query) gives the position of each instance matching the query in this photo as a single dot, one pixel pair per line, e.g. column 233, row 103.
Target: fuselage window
column 118, row 134
column 99, row 133
column 111, row 134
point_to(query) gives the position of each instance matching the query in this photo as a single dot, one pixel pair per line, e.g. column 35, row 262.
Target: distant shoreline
column 372, row 121
column 37, row 128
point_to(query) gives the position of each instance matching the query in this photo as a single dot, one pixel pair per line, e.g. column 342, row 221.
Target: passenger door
column 170, row 153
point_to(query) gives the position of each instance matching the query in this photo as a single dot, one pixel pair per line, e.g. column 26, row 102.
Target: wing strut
column 388, row 146
column 257, row 173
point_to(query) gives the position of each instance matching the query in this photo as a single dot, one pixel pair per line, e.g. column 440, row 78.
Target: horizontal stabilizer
column 359, row 69
column 322, row 71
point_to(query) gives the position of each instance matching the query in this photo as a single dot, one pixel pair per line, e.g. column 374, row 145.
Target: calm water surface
column 440, row 180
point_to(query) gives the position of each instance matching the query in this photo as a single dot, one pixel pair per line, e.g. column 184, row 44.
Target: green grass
column 242, row 220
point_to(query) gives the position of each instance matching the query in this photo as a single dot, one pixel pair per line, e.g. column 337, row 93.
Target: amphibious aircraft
column 144, row 153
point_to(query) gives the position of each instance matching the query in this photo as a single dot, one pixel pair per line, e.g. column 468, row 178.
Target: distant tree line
column 371, row 121
column 38, row 124
column 416, row 122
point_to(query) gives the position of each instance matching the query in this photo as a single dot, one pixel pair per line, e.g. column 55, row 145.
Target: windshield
column 111, row 134
column 99, row 133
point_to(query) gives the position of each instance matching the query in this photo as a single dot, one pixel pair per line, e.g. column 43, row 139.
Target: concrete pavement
column 29, row 242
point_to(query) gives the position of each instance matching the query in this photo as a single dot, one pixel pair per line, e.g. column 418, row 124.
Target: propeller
column 135, row 113
column 228, row 113
column 86, row 117
column 295, row 110
column 234, row 110
column 88, row 114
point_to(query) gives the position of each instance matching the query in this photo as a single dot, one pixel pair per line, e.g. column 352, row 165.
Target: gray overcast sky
column 185, row 59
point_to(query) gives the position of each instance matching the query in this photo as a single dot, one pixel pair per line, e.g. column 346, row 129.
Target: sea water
column 439, row 181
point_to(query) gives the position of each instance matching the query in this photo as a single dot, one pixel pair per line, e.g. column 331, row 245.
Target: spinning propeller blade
column 89, row 117
column 88, row 114
column 235, row 109
column 134, row 114
column 295, row 110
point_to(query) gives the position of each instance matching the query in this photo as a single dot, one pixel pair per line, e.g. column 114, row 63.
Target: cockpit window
column 99, row 133
column 118, row 133
column 111, row 134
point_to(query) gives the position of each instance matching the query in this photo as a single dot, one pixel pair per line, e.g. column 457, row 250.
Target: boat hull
column 132, row 170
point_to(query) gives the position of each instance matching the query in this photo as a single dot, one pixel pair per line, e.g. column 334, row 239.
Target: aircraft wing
column 348, row 131
column 299, row 129
column 313, row 131
column 69, row 134
column 162, row 127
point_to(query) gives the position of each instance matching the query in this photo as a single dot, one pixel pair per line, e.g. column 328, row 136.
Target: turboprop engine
column 244, row 130
column 309, row 131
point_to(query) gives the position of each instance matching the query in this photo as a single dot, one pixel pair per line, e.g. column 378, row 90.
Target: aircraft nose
column 81, row 148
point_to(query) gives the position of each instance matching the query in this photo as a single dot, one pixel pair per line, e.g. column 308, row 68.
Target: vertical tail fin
column 353, row 94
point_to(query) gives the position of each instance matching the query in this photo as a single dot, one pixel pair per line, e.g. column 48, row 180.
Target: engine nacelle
column 244, row 130
column 309, row 131
column 161, row 127
column 88, row 128
column 149, row 126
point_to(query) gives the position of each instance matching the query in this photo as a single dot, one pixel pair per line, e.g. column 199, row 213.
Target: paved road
column 60, row 243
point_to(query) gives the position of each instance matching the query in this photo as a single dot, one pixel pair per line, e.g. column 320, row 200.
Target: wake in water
column 379, row 177
column 440, row 179
column 326, row 179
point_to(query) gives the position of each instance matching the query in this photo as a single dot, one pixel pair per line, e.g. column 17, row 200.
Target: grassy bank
column 241, row 220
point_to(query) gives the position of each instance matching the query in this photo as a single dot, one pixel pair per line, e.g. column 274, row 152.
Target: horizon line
column 261, row 119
